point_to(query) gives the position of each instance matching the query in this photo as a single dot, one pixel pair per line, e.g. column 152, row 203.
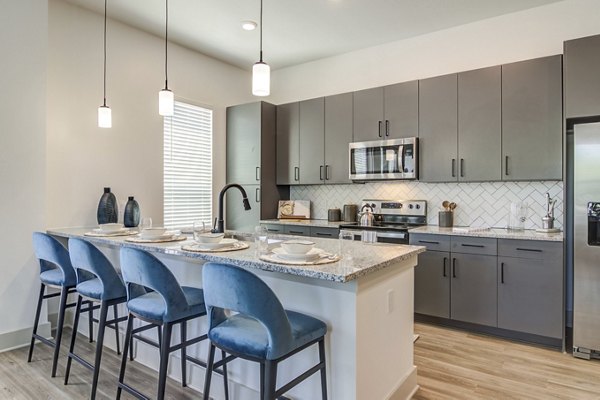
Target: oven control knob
column 410, row 206
column 373, row 206
column 418, row 206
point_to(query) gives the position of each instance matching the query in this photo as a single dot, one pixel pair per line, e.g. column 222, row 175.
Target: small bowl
column 150, row 233
column 297, row 246
column 110, row 228
column 209, row 237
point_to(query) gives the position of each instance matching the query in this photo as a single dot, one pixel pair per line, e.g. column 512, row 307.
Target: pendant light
column 261, row 72
column 104, row 112
column 166, row 99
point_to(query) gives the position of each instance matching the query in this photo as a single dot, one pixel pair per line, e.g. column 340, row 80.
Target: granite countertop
column 366, row 258
column 318, row 223
column 497, row 233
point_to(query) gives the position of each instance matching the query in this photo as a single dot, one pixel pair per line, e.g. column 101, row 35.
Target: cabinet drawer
column 274, row 228
column 535, row 249
column 297, row 230
column 432, row 242
column 331, row 233
column 474, row 245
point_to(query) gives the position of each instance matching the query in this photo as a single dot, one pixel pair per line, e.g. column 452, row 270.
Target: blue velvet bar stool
column 155, row 296
column 56, row 272
column 259, row 329
column 97, row 282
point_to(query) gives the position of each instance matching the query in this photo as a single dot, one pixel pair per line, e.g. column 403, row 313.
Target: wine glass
column 198, row 228
column 145, row 223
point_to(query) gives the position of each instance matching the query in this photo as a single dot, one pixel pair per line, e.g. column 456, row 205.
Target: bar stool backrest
column 227, row 287
column 87, row 259
column 52, row 255
column 141, row 269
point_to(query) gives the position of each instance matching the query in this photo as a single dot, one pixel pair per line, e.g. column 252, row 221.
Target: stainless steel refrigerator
column 586, row 240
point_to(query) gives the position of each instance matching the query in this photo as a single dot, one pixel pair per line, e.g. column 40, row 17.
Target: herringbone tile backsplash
column 479, row 204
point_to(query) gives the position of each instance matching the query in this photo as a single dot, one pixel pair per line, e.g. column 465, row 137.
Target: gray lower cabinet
column 338, row 136
column 274, row 228
column 479, row 125
column 532, row 119
column 303, row 230
column 312, row 143
column 432, row 284
column 473, row 296
column 296, row 230
column 530, row 287
column 322, row 232
column 288, row 144
column 438, row 120
column 581, row 80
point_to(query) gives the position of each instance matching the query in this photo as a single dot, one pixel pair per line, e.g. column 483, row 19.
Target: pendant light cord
column 261, row 29
column 105, row 3
column 166, row 41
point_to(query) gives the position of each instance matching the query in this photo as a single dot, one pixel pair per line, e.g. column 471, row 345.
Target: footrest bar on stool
column 44, row 340
column 285, row 388
column 220, row 363
column 203, row 364
column 147, row 341
column 133, row 392
column 81, row 361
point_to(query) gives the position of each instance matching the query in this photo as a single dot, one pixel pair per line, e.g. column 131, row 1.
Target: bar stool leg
column 73, row 337
column 183, row 354
column 36, row 320
column 126, row 343
column 64, row 293
column 270, row 380
column 99, row 343
column 164, row 360
column 225, row 379
column 116, row 315
column 323, row 375
column 262, row 380
column 91, row 322
column 209, row 368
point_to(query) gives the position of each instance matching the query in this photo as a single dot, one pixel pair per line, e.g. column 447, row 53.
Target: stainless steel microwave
column 384, row 159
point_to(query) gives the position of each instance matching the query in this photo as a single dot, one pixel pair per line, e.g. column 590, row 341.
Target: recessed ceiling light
column 248, row 25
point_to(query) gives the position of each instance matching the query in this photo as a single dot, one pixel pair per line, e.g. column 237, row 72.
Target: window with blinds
column 187, row 166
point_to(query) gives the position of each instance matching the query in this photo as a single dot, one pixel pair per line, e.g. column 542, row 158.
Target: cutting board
column 293, row 209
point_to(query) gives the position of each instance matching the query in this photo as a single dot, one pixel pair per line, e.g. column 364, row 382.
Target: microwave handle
column 401, row 158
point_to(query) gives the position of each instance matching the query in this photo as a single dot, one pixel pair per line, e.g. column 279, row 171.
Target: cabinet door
column 238, row 219
column 432, row 284
column 338, row 135
column 479, row 125
column 368, row 115
column 532, row 120
column 312, row 141
column 473, row 289
column 401, row 110
column 438, row 129
column 530, row 295
column 243, row 143
column 288, row 144
column 582, row 83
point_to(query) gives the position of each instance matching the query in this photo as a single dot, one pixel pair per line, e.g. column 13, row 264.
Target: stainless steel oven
column 384, row 159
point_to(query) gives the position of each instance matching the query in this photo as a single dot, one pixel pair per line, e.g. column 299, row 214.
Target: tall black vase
column 108, row 210
column 131, row 219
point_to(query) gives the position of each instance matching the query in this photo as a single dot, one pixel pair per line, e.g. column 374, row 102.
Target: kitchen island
column 366, row 301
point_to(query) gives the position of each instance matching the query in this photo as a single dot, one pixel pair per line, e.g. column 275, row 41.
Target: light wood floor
column 451, row 365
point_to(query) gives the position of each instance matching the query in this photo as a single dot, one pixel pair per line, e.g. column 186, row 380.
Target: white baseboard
column 22, row 337
column 407, row 387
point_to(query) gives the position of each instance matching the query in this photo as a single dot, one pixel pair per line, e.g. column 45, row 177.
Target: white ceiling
column 298, row 31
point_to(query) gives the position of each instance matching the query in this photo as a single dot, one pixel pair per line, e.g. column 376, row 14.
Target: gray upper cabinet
column 338, row 135
column 479, row 125
column 312, row 144
column 532, row 119
column 288, row 144
column 401, row 110
column 244, row 128
column 368, row 114
column 582, row 82
column 438, row 139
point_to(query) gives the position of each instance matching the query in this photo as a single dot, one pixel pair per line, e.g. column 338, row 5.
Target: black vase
column 131, row 219
column 108, row 210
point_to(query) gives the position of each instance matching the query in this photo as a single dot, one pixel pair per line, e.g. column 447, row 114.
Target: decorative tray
column 99, row 233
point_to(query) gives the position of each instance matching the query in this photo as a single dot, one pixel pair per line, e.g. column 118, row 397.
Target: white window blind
column 187, row 166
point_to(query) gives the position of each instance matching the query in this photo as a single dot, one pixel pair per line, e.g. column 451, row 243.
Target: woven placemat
column 102, row 234
column 177, row 238
column 197, row 248
column 272, row 258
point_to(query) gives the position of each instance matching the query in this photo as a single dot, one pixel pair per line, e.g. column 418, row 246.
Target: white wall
column 83, row 158
column 528, row 34
column 23, row 44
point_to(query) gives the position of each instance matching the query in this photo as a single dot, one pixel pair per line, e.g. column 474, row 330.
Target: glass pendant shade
column 104, row 117
column 261, row 79
column 166, row 103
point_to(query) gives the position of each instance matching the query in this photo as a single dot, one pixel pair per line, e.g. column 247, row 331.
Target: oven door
column 384, row 159
column 399, row 237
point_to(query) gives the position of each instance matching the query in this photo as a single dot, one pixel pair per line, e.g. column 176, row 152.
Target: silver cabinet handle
column 296, row 173
column 326, row 172
column 379, row 129
column 320, row 172
column 387, row 127
column 257, row 174
column 257, row 195
column 453, row 168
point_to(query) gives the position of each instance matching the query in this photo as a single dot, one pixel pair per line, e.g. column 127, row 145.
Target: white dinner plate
column 108, row 232
column 212, row 246
column 166, row 235
column 312, row 255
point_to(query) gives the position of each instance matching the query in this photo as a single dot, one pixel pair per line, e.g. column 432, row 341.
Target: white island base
column 369, row 343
